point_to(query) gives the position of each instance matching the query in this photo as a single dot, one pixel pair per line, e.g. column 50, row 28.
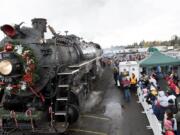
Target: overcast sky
column 107, row 22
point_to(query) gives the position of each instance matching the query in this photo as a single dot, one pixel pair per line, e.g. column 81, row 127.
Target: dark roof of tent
column 159, row 59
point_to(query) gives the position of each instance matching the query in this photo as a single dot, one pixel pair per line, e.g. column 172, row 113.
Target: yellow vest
column 133, row 80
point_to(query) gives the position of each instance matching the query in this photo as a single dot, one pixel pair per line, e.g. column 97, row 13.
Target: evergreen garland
column 30, row 76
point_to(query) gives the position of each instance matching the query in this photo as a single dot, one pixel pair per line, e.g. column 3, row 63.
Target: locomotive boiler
column 44, row 82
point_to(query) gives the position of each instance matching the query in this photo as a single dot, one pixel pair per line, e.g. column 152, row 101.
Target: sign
column 5, row 79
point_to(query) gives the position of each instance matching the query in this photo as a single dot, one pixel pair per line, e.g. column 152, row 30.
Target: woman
column 169, row 123
column 133, row 81
column 160, row 105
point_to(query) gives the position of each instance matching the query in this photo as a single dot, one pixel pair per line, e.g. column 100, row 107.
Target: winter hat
column 154, row 92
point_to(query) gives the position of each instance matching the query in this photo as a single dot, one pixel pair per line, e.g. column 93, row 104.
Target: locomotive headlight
column 5, row 67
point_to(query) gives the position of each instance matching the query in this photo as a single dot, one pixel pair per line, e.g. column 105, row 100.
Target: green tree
column 174, row 40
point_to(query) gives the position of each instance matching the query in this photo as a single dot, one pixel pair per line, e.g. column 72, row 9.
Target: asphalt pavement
column 106, row 112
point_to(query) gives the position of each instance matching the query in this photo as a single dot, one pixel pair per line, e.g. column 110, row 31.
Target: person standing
column 115, row 74
column 153, row 81
column 120, row 79
column 169, row 123
column 133, row 81
column 126, row 88
column 177, row 116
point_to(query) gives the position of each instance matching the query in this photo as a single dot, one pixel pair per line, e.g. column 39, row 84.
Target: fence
column 155, row 125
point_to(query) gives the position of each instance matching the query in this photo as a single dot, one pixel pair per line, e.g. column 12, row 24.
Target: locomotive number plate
column 5, row 79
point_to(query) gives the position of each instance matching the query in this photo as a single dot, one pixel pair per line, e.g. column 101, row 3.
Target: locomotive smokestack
column 40, row 25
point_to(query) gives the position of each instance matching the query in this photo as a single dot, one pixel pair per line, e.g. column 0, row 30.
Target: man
column 115, row 74
column 152, row 96
column 126, row 86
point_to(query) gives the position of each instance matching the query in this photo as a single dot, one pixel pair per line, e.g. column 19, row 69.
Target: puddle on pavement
column 113, row 110
column 94, row 99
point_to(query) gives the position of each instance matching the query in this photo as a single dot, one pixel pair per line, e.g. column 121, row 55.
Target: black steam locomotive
column 44, row 82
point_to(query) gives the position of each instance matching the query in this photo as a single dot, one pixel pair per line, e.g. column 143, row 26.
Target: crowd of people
column 127, row 82
column 164, row 102
column 116, row 58
column 129, row 57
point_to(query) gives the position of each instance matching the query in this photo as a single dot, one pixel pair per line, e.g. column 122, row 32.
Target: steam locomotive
column 44, row 82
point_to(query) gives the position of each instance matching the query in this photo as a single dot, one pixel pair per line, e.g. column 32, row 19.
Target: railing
column 155, row 125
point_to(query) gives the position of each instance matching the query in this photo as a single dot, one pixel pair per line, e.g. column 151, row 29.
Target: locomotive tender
column 44, row 82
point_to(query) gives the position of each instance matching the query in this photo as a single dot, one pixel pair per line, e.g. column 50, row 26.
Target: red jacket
column 126, row 83
column 172, row 85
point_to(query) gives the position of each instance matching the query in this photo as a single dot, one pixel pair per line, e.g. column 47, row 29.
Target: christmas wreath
column 29, row 76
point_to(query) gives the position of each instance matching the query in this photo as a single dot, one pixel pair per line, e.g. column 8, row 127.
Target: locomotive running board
column 83, row 63
column 69, row 72
column 63, row 86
